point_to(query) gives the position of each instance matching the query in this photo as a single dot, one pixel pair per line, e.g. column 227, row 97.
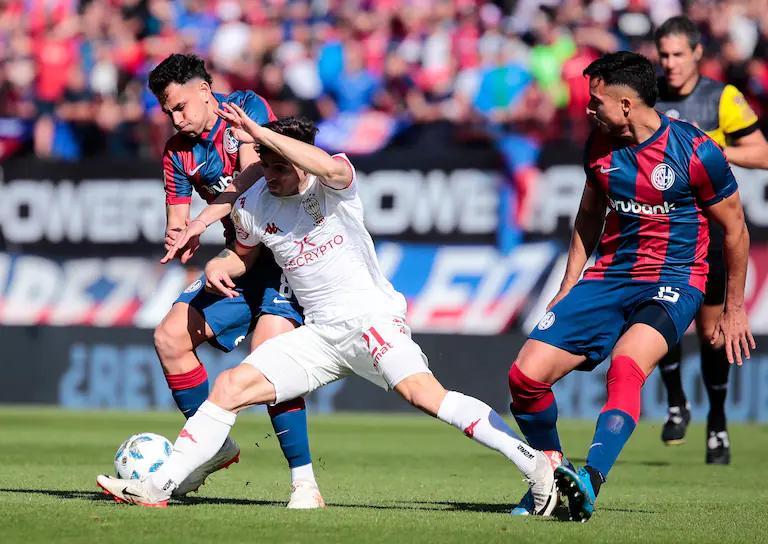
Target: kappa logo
column 304, row 242
column 662, row 176
column 186, row 434
column 271, row 228
column 547, row 321
column 470, row 430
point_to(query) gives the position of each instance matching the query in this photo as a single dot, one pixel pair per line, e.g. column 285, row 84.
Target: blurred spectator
column 73, row 72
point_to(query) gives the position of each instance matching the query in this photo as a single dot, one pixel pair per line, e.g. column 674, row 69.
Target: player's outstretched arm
column 310, row 158
column 750, row 151
column 586, row 232
column 733, row 323
column 224, row 268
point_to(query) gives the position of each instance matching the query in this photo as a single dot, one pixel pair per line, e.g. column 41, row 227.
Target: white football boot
column 305, row 495
column 139, row 492
column 542, row 483
column 228, row 453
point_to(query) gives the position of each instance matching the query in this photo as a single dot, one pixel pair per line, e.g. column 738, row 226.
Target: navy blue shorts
column 595, row 313
column 262, row 291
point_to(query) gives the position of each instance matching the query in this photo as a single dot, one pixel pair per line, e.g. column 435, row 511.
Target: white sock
column 199, row 440
column 303, row 472
column 481, row 423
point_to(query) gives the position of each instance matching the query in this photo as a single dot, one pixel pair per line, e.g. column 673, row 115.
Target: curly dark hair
column 177, row 68
column 682, row 26
column 626, row 68
column 298, row 128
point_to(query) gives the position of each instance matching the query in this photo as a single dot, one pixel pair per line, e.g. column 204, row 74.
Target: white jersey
column 319, row 240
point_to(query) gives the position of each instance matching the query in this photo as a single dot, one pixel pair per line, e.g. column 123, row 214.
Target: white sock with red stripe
column 483, row 424
column 199, row 440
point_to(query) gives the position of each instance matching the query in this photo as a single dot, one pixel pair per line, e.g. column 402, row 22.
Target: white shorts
column 379, row 349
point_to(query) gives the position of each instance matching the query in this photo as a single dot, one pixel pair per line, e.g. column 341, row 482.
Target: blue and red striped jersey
column 655, row 229
column 209, row 163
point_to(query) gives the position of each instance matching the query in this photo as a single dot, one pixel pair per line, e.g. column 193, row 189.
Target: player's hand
column 220, row 283
column 171, row 235
column 246, row 130
column 187, row 242
column 733, row 325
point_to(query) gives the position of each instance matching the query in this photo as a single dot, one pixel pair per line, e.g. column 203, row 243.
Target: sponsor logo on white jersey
column 314, row 252
column 632, row 206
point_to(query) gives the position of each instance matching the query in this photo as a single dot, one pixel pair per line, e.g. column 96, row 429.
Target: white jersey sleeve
column 350, row 191
column 246, row 226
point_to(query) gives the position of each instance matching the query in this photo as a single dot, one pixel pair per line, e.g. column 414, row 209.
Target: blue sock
column 189, row 400
column 189, row 390
column 613, row 429
column 289, row 419
column 540, row 428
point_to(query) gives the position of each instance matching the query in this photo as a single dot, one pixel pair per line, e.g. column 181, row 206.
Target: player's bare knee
column 229, row 391
column 169, row 345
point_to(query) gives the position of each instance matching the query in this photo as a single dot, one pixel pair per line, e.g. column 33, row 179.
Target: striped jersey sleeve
column 178, row 189
column 711, row 177
column 256, row 107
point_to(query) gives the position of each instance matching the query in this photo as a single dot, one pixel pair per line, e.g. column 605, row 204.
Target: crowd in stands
column 73, row 72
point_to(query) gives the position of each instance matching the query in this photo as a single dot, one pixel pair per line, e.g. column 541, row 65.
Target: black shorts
column 714, row 293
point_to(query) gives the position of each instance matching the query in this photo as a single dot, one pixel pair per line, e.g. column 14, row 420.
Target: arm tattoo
column 224, row 254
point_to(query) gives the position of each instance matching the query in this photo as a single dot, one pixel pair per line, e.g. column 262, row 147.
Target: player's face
column 189, row 106
column 607, row 107
column 282, row 177
column 679, row 62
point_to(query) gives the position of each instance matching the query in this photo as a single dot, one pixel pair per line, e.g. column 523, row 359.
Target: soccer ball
column 140, row 455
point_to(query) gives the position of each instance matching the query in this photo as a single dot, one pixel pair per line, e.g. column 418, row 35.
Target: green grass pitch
column 386, row 478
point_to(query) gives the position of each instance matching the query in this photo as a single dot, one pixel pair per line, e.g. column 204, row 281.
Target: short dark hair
column 298, row 128
column 626, row 68
column 177, row 68
column 681, row 25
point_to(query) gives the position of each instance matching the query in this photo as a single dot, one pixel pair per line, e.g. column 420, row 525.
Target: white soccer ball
column 140, row 455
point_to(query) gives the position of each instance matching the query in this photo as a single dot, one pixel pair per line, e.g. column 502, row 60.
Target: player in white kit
column 307, row 211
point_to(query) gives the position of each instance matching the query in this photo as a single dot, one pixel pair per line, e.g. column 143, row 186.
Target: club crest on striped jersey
column 230, row 142
column 662, row 176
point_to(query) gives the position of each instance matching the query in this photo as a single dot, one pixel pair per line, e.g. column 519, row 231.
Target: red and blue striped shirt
column 209, row 163
column 655, row 229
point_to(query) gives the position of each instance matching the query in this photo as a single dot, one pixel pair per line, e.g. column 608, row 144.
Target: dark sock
column 189, row 390
column 539, row 428
column 289, row 419
column 613, row 429
column 596, row 478
column 670, row 375
column 714, row 371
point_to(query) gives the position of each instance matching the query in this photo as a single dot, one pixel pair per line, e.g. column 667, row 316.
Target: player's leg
column 578, row 332
column 537, row 367
column 272, row 373
column 176, row 337
column 714, row 371
column 678, row 409
column 634, row 357
column 658, row 317
column 386, row 355
column 289, row 420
